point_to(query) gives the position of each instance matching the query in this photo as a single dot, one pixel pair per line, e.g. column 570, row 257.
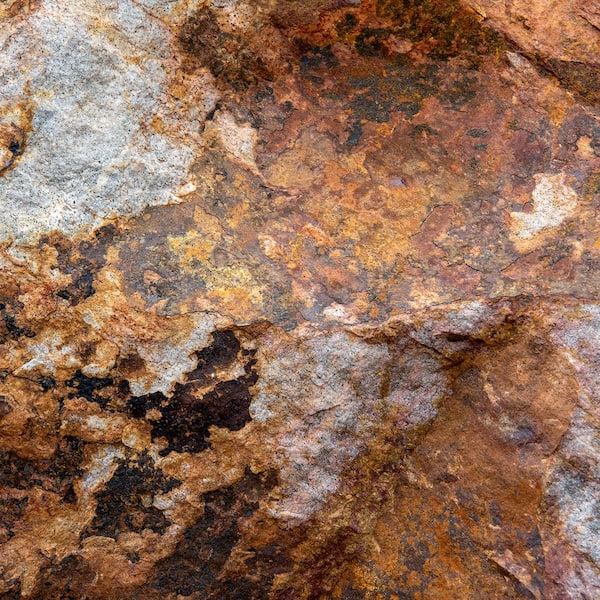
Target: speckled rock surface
column 299, row 300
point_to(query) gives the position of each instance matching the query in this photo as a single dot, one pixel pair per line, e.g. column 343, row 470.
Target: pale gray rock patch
column 95, row 74
column 579, row 510
column 167, row 363
column 580, row 340
column 573, row 486
column 322, row 401
column 581, row 444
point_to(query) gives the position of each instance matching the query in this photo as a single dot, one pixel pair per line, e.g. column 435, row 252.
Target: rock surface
column 299, row 300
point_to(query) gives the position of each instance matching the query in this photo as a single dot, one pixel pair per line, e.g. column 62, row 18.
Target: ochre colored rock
column 299, row 300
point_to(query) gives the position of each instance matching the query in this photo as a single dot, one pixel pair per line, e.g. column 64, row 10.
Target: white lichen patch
column 553, row 201
column 339, row 313
column 167, row 363
column 94, row 74
column 45, row 352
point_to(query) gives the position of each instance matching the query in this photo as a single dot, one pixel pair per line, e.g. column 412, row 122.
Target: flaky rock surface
column 299, row 300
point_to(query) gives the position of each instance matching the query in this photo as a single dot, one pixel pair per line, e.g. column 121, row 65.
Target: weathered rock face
column 299, row 299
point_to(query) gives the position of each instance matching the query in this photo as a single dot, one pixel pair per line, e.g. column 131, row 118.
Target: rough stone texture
column 299, row 300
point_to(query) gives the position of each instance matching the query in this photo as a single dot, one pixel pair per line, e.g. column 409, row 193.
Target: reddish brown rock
column 299, row 300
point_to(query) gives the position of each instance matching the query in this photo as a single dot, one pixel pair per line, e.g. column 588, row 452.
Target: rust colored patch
column 356, row 169
column 10, row 9
column 452, row 510
column 227, row 55
column 15, row 126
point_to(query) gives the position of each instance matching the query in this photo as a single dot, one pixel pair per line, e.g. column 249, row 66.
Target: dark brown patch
column 14, row 590
column 203, row 400
column 582, row 79
column 297, row 13
column 9, row 327
column 93, row 389
column 67, row 580
column 227, row 56
column 81, row 261
column 12, row 507
column 19, row 476
column 5, row 407
column 442, row 29
column 197, row 563
column 131, row 366
column 222, row 352
column 577, row 125
column 55, row 474
column 121, row 505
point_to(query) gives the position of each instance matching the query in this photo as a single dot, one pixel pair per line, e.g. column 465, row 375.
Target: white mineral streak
column 93, row 75
column 102, row 466
column 168, row 362
column 46, row 352
column 238, row 140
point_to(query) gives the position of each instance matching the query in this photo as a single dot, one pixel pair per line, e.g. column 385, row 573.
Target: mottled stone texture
column 300, row 299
